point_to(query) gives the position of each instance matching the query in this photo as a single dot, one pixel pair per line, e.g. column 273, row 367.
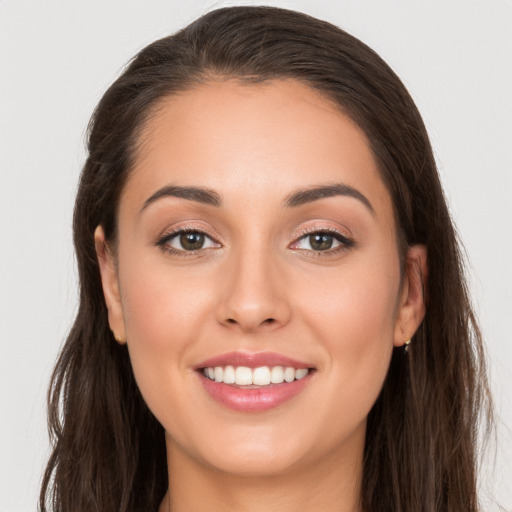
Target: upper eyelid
column 164, row 242
column 294, row 235
column 342, row 239
column 343, row 236
column 309, row 230
column 187, row 228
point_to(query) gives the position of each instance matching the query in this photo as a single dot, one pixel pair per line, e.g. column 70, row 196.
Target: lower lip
column 254, row 399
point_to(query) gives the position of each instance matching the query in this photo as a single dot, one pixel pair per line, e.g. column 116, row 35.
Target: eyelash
column 345, row 242
column 182, row 253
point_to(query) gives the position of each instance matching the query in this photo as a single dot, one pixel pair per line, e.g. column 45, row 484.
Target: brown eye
column 321, row 241
column 187, row 241
column 192, row 241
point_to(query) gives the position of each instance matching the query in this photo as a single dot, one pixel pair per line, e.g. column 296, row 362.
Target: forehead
column 252, row 140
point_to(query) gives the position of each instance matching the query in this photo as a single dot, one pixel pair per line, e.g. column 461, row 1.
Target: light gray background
column 56, row 59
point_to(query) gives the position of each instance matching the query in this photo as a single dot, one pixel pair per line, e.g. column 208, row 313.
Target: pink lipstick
column 251, row 382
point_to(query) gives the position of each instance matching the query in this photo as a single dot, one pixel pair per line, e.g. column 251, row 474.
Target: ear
column 411, row 308
column 110, row 283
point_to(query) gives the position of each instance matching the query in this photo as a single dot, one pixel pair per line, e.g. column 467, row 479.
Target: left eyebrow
column 308, row 195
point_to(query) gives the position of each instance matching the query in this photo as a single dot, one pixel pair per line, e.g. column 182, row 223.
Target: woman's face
column 256, row 235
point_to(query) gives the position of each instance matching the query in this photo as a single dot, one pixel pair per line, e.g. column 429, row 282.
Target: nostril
column 268, row 322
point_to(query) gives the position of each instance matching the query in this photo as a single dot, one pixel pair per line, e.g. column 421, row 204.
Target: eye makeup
column 193, row 241
column 324, row 241
column 316, row 241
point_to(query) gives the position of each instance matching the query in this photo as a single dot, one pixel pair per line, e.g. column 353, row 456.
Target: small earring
column 118, row 338
column 407, row 343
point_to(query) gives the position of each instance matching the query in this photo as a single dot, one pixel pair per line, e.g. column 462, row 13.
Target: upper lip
column 252, row 360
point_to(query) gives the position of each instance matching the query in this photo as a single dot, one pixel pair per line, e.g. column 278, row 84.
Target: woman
column 273, row 314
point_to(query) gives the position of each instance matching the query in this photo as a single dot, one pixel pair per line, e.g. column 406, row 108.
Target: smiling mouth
column 254, row 382
column 254, row 377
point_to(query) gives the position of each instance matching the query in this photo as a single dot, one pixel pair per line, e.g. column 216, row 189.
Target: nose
column 254, row 294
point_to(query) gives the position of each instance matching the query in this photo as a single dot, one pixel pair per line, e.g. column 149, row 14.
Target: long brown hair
column 421, row 443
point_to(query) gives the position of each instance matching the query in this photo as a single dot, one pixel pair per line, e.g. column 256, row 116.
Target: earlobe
column 110, row 284
column 412, row 306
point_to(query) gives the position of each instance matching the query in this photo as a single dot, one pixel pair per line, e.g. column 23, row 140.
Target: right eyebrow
column 199, row 194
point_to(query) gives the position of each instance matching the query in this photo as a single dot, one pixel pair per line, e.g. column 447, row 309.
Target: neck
column 332, row 484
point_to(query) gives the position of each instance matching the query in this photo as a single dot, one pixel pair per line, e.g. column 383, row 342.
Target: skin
column 258, row 286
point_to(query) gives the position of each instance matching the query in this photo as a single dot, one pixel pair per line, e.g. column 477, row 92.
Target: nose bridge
column 254, row 295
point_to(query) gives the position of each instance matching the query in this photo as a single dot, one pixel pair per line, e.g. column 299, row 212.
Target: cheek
column 162, row 313
column 354, row 303
column 353, row 318
column 162, row 309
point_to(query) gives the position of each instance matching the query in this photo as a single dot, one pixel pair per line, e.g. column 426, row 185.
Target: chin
column 257, row 463
column 275, row 450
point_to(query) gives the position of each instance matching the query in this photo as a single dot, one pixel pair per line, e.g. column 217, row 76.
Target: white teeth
column 243, row 376
column 219, row 373
column 277, row 375
column 261, row 376
column 289, row 374
column 301, row 373
column 229, row 375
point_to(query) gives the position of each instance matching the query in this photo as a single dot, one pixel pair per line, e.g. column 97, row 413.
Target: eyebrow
column 298, row 198
column 309, row 195
column 198, row 194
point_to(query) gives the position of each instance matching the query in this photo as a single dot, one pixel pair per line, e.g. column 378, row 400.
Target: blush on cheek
column 362, row 362
column 357, row 327
column 356, row 314
column 149, row 307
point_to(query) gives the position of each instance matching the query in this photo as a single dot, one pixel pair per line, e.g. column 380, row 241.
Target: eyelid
column 173, row 237
column 188, row 227
column 320, row 228
column 345, row 240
